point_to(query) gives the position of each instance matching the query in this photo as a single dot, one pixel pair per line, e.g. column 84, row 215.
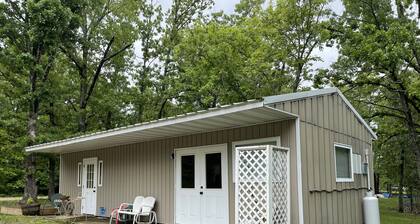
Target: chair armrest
column 124, row 204
column 124, row 210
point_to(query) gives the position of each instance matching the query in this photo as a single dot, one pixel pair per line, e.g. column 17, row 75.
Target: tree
column 30, row 34
column 379, row 68
column 179, row 17
column 104, row 36
column 295, row 28
column 250, row 54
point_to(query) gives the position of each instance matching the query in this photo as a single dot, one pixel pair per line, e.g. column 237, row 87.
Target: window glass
column 79, row 174
column 214, row 170
column 343, row 162
column 187, row 171
column 100, row 173
column 89, row 177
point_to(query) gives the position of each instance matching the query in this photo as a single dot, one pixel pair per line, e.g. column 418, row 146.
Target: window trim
column 343, row 180
column 246, row 142
column 100, row 173
column 79, row 174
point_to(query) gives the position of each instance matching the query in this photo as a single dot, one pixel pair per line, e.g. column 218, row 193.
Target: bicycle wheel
column 69, row 208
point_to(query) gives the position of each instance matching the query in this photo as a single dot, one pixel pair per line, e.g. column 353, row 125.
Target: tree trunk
column 82, row 122
column 51, row 176
column 51, row 158
column 298, row 77
column 401, row 183
column 108, row 120
column 30, row 190
column 412, row 132
column 411, row 200
column 162, row 109
column 376, row 177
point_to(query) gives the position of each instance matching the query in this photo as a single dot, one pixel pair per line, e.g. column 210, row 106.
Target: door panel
column 188, row 209
column 215, row 191
column 202, row 194
column 89, row 186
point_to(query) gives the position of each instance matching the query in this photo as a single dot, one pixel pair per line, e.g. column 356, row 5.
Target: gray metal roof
column 224, row 117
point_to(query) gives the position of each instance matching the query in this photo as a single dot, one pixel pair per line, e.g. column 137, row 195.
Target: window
column 357, row 164
column 79, row 174
column 100, row 172
column 90, row 175
column 343, row 163
column 188, row 171
column 214, row 171
column 261, row 141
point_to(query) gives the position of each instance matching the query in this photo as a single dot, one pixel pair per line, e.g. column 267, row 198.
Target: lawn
column 390, row 214
column 13, row 201
column 388, row 208
column 9, row 219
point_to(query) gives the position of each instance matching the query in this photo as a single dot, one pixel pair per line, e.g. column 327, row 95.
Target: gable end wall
column 326, row 120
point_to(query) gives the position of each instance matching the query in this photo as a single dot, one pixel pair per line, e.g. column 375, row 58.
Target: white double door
column 201, row 185
column 89, row 179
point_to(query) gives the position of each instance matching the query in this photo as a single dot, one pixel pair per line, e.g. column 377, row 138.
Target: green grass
column 388, row 209
column 14, row 203
column 390, row 215
column 9, row 219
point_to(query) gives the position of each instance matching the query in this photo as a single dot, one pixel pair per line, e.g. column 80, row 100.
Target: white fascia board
column 153, row 124
column 299, row 170
column 298, row 95
column 319, row 92
column 357, row 114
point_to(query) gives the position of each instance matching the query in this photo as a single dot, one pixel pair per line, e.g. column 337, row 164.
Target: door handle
column 201, row 193
column 94, row 191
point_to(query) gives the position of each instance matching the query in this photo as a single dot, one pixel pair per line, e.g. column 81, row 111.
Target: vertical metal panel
column 148, row 169
column 325, row 120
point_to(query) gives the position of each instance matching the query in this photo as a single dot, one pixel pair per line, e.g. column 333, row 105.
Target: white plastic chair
column 142, row 207
column 147, row 211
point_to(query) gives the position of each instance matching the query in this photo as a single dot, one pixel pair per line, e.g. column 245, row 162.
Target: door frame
column 224, row 148
column 95, row 179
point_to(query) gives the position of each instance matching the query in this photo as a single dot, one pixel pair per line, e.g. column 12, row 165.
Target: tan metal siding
column 148, row 169
column 325, row 120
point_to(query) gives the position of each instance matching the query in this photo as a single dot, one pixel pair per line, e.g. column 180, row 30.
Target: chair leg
column 135, row 219
column 110, row 218
column 152, row 217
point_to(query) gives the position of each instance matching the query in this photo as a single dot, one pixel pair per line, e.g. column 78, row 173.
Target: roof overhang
column 224, row 117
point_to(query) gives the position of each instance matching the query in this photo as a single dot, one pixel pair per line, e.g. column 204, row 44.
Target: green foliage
column 378, row 68
column 186, row 60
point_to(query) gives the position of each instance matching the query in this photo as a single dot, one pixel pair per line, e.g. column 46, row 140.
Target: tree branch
column 118, row 52
column 71, row 57
column 98, row 70
column 379, row 105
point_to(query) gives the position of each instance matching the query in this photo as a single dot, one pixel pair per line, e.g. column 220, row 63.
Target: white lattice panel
column 262, row 195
